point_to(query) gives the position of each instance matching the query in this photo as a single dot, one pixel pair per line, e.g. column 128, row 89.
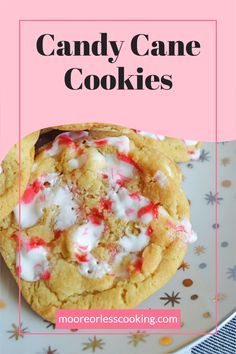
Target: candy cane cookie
column 104, row 224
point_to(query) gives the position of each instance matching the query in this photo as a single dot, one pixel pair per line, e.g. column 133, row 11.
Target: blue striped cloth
column 222, row 343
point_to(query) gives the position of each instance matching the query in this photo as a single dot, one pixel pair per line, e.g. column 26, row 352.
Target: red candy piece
column 101, row 142
column 179, row 228
column 37, row 186
column 136, row 130
column 42, row 198
column 138, row 265
column 96, row 217
column 82, row 258
column 122, row 181
column 191, row 152
column 46, row 275
column 57, row 234
column 73, row 188
column 106, row 204
column 149, row 231
column 155, row 211
column 83, row 248
column 31, row 192
column 35, row 242
column 18, row 270
column 49, row 146
column 104, row 176
column 64, row 139
column 135, row 195
column 170, row 224
column 127, row 159
column 79, row 150
column 150, row 208
column 81, row 133
column 15, row 237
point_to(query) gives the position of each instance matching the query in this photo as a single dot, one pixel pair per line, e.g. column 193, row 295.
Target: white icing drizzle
column 33, row 263
column 94, row 155
column 81, row 134
column 160, row 137
column 57, row 147
column 94, row 268
column 86, row 237
column 52, row 178
column 188, row 235
column 190, row 142
column 98, row 158
column 134, row 243
column 131, row 244
column 74, row 163
column 195, row 155
column 122, row 143
column 126, row 207
column 34, row 167
column 162, row 211
column 54, row 195
column 151, row 135
column 161, row 178
column 169, row 170
column 30, row 213
column 119, row 270
column 77, row 162
column 116, row 169
column 63, row 198
column 184, row 229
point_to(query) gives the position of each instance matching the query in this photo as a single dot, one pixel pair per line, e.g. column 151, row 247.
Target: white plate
column 197, row 302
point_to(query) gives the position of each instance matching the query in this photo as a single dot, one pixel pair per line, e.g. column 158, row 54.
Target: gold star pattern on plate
column 2, row 304
column 166, row 340
column 225, row 161
column 226, row 183
column 49, row 324
column 17, row 332
column 206, row 314
column 51, row 351
column 199, row 250
column 93, row 344
column 173, row 299
column 219, row 297
column 137, row 337
column 184, row 265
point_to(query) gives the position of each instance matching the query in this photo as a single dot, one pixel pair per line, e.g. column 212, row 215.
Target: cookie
column 104, row 224
column 177, row 149
column 9, row 173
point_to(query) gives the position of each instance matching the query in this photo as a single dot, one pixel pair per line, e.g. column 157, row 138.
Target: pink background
column 46, row 101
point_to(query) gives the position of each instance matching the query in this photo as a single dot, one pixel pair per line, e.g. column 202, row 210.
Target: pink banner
column 122, row 319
